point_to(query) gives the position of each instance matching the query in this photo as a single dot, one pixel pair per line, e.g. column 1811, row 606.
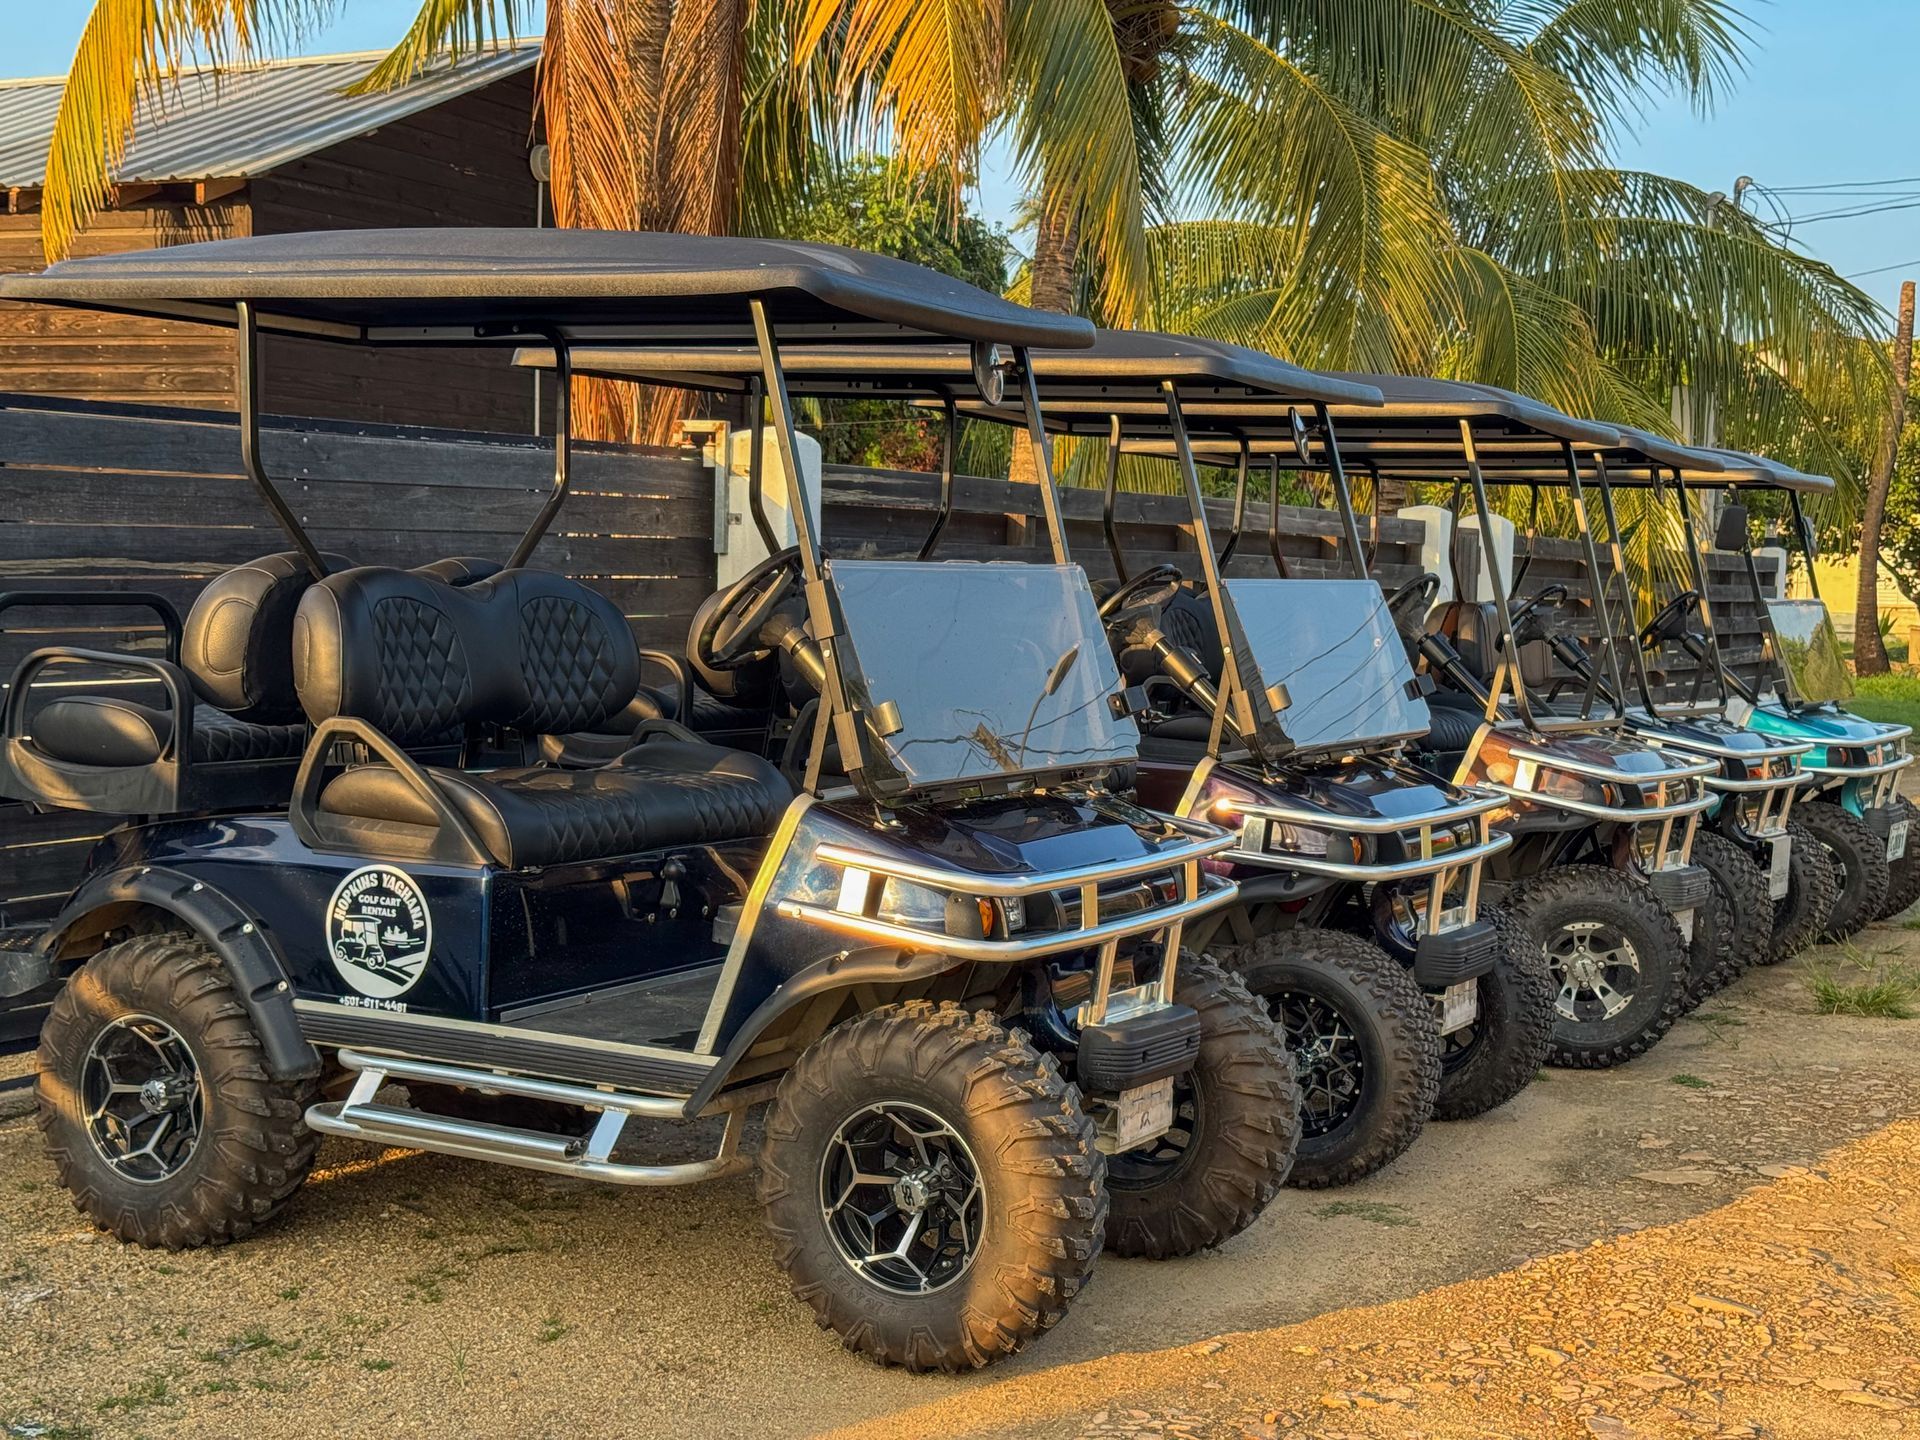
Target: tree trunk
column 1056, row 250
column 1869, row 655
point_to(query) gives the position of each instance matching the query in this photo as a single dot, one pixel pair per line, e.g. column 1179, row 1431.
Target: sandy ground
column 411, row 1294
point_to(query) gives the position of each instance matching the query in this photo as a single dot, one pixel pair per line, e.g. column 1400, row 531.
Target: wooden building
column 264, row 151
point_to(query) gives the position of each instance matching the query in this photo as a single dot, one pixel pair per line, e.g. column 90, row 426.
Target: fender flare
column 877, row 964
column 254, row 965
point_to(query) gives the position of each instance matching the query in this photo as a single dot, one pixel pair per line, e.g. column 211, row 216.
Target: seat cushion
column 103, row 730
column 660, row 795
column 1452, row 726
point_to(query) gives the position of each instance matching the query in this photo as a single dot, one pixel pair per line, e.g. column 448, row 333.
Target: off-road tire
column 1514, row 1029
column 1903, row 875
column 1800, row 915
column 254, row 1148
column 1045, row 1204
column 1237, row 1122
column 1394, row 1028
column 1860, row 867
column 1735, row 925
column 1543, row 904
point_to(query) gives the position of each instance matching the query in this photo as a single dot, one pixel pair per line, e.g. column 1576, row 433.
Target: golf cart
column 1679, row 706
column 1285, row 706
column 541, row 955
column 1600, row 875
column 1678, row 678
column 1795, row 692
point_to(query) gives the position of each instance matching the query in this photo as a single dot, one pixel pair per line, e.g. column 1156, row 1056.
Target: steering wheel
column 1547, row 595
column 1148, row 579
column 1671, row 622
column 729, row 633
column 1409, row 603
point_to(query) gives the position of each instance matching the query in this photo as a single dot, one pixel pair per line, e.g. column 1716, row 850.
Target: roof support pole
column 562, row 451
column 785, row 437
column 1239, row 504
column 1502, row 595
column 1108, row 496
column 1343, row 493
column 1802, row 529
column 1596, row 577
column 247, row 397
column 1617, row 551
column 950, row 427
column 1273, row 516
column 1042, row 455
column 756, row 452
column 1698, row 571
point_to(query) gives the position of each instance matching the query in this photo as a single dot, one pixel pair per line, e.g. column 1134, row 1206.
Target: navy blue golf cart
column 946, row 958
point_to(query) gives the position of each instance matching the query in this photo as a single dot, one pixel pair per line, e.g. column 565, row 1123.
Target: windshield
column 1810, row 650
column 994, row 668
column 1332, row 643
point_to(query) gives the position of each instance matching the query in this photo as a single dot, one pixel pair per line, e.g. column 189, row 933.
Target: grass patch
column 1892, row 995
column 379, row 1367
column 148, row 1393
column 1373, row 1210
column 1690, row 1082
column 292, row 1292
column 552, row 1329
column 46, row 1430
column 429, row 1286
column 1894, row 698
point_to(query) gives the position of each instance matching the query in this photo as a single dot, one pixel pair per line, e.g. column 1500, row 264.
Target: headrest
column 238, row 640
column 416, row 656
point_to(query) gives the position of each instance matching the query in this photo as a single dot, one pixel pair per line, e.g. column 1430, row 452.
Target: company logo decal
column 379, row 931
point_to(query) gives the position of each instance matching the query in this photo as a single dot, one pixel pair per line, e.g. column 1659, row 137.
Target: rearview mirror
column 1731, row 531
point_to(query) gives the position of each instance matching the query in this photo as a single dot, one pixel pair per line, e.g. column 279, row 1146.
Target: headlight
column 1299, row 839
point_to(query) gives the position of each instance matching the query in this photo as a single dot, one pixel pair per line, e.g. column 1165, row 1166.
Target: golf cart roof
column 1122, row 370
column 443, row 285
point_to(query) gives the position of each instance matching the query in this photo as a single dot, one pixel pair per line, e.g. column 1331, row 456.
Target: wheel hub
column 1598, row 970
column 1328, row 1060
column 166, row 1092
column 901, row 1197
column 141, row 1093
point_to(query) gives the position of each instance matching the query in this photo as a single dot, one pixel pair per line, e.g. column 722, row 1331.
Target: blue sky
column 1829, row 96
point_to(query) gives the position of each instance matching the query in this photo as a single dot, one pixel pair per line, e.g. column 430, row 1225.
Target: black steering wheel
column 729, row 632
column 1410, row 603
column 1671, row 622
column 1545, row 596
column 1148, row 579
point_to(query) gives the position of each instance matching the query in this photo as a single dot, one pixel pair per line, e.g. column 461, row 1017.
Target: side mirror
column 1302, row 441
column 990, row 371
column 1731, row 532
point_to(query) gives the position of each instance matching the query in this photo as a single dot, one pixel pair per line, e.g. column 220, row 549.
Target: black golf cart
column 953, row 976
column 1600, row 875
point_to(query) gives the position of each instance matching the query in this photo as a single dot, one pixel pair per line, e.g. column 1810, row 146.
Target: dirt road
column 409, row 1294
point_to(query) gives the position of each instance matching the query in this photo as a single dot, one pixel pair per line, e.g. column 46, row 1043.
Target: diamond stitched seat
column 660, row 795
column 104, row 730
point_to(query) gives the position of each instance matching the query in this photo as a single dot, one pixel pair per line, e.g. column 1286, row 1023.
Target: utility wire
column 1883, row 269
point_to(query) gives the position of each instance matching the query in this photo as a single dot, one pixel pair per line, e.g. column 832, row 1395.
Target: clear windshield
column 993, row 668
column 1333, row 645
column 1810, row 650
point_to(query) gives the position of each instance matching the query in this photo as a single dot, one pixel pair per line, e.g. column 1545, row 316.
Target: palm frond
column 1618, row 53
column 447, row 29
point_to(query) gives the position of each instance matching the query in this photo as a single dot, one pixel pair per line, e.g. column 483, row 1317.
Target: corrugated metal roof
column 244, row 122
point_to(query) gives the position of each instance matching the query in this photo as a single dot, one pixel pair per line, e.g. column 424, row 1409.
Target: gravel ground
column 412, row 1294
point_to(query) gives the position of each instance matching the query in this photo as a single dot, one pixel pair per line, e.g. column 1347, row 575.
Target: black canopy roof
column 1120, row 372
column 422, row 286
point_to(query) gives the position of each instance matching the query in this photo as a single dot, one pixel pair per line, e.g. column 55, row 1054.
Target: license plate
column 1684, row 919
column 1782, row 864
column 1459, row 1006
column 1142, row 1114
column 1897, row 840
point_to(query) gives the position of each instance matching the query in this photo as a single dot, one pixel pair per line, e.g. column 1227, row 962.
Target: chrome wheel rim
column 1328, row 1062
column 901, row 1196
column 1597, row 969
column 143, row 1099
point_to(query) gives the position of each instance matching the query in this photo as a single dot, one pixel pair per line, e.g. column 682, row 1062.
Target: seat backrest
column 237, row 644
column 417, row 657
column 1474, row 629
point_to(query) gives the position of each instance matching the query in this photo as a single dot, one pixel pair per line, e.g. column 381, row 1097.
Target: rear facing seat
column 411, row 655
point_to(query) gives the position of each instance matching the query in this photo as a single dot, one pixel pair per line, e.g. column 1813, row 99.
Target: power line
column 1911, row 202
column 1883, row 269
column 1841, row 185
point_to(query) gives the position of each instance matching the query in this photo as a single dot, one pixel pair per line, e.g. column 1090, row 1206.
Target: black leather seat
column 658, row 796
column 107, row 730
column 1453, row 724
column 409, row 654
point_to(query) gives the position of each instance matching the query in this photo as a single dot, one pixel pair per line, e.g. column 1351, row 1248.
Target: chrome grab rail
column 1213, row 892
column 1605, row 772
column 1623, row 813
column 1320, row 820
column 1858, row 772
column 1398, row 870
